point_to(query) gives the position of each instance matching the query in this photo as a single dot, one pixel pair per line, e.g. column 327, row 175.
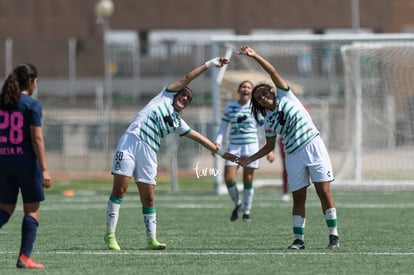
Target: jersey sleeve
column 269, row 132
column 184, row 128
column 165, row 93
column 222, row 130
column 261, row 120
column 36, row 114
column 287, row 93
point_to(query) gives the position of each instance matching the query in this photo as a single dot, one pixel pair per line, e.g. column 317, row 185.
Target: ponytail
column 10, row 93
column 15, row 83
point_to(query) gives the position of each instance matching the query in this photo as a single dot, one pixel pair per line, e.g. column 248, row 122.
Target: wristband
column 220, row 152
column 212, row 62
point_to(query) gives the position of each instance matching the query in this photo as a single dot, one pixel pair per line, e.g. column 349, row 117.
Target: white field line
column 215, row 253
column 54, row 207
column 87, row 202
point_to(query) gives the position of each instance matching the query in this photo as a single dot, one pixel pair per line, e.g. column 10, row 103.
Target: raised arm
column 196, row 136
column 191, row 75
column 269, row 68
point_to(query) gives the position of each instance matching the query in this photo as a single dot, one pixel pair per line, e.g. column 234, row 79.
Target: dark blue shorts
column 20, row 174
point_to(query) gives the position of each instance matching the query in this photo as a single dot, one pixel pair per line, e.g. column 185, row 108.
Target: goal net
column 359, row 89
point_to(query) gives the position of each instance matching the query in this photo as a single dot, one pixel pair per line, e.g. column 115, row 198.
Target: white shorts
column 134, row 158
column 311, row 163
column 243, row 150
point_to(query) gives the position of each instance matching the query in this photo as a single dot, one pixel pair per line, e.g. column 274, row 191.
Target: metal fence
column 84, row 117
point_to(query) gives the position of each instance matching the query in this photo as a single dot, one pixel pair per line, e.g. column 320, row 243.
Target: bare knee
column 324, row 193
column 147, row 201
column 119, row 192
column 299, row 196
column 230, row 174
column 146, row 194
column 120, row 186
column 9, row 208
column 32, row 209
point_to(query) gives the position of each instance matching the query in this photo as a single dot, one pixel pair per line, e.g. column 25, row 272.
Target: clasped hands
column 243, row 160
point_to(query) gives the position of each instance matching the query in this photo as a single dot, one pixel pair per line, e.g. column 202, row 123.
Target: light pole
column 355, row 15
column 103, row 10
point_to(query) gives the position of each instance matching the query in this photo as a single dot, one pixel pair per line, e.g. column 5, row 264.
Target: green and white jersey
column 243, row 126
column 158, row 119
column 291, row 120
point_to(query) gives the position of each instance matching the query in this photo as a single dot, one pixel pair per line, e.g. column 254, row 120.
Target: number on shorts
column 119, row 155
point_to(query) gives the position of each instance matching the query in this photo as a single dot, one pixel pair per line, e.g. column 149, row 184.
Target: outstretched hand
column 244, row 161
column 230, row 157
column 217, row 62
column 246, row 50
column 217, row 148
column 270, row 157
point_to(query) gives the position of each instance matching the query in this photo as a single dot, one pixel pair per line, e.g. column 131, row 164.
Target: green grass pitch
column 375, row 231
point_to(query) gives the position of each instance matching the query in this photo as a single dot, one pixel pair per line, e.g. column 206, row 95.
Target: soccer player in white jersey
column 307, row 159
column 243, row 139
column 136, row 152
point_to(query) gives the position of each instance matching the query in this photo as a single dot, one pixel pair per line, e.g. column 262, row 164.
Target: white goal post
column 359, row 88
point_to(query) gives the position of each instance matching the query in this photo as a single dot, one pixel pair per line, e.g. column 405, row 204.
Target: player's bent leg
column 120, row 185
column 150, row 217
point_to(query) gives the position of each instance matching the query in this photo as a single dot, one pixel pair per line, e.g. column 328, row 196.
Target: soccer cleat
column 153, row 244
column 111, row 242
column 25, row 262
column 247, row 218
column 333, row 242
column 297, row 244
column 235, row 213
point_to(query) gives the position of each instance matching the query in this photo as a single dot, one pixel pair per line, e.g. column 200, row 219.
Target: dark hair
column 245, row 81
column 16, row 82
column 186, row 91
column 254, row 104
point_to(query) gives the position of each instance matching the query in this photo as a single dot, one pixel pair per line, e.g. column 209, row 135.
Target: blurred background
column 100, row 61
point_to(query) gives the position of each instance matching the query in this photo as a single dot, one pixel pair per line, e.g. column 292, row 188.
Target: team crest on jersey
column 169, row 120
column 242, row 118
column 281, row 118
column 172, row 121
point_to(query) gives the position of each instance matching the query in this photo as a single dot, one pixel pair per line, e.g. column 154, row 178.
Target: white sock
column 331, row 221
column 247, row 200
column 298, row 223
column 112, row 214
column 234, row 193
column 150, row 221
